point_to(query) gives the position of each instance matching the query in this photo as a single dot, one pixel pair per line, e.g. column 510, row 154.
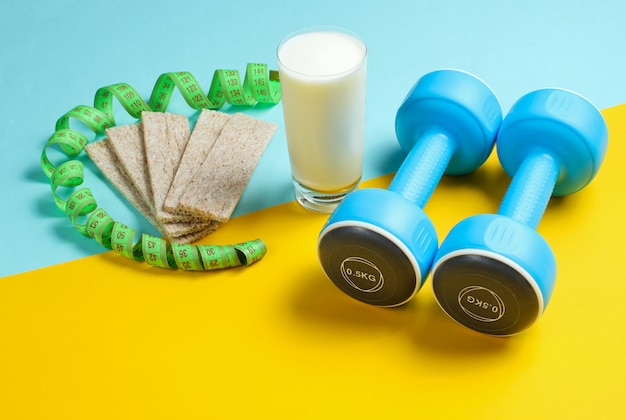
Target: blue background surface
column 54, row 55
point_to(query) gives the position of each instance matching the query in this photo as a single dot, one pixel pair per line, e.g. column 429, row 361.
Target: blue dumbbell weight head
column 378, row 245
column 494, row 273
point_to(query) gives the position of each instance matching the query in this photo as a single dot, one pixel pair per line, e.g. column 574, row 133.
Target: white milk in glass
column 322, row 76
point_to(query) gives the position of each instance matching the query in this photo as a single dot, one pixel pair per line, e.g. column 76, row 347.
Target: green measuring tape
column 259, row 85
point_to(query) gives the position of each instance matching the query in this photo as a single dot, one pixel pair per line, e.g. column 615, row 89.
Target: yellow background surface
column 105, row 338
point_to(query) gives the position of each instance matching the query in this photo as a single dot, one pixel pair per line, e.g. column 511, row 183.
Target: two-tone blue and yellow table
column 88, row 334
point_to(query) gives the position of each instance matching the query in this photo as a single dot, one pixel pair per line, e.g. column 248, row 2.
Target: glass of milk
column 322, row 77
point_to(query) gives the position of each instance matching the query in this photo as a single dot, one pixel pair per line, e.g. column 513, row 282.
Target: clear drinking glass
column 323, row 78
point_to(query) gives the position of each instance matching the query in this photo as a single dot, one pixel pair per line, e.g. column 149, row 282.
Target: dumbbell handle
column 423, row 167
column 530, row 190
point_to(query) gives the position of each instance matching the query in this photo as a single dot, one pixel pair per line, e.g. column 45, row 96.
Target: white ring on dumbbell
column 385, row 234
column 497, row 257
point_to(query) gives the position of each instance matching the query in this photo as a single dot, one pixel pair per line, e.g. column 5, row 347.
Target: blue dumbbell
column 378, row 245
column 494, row 273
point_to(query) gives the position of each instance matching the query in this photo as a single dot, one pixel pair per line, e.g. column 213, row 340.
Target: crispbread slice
column 206, row 131
column 196, row 236
column 103, row 156
column 180, row 229
column 165, row 136
column 126, row 142
column 224, row 174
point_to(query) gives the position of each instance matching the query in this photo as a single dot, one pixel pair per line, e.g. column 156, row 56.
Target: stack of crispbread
column 185, row 183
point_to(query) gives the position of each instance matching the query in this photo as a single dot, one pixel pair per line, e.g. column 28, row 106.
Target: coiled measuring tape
column 259, row 85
